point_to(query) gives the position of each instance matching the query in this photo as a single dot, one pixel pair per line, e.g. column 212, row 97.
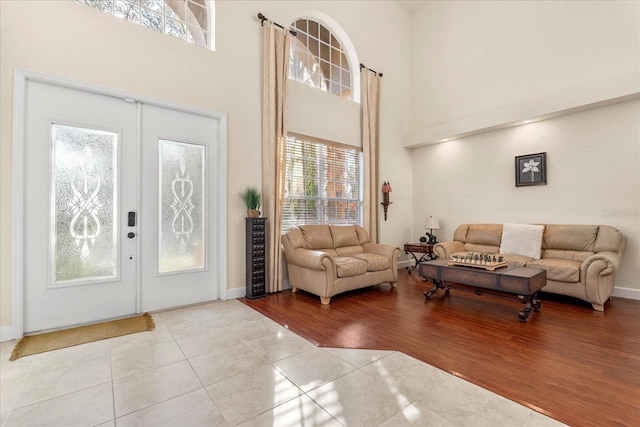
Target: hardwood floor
column 577, row 365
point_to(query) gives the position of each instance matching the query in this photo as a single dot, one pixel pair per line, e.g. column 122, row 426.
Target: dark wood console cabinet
column 256, row 239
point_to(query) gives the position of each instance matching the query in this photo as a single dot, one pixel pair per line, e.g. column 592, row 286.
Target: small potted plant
column 252, row 199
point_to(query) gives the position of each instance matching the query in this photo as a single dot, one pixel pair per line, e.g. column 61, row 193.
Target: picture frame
column 531, row 169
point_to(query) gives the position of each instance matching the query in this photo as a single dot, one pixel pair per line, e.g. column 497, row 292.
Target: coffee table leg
column 437, row 284
column 529, row 301
column 536, row 302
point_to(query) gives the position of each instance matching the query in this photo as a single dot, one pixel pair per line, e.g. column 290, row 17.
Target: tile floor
column 224, row 364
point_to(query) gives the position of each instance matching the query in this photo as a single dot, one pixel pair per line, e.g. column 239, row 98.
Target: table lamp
column 431, row 224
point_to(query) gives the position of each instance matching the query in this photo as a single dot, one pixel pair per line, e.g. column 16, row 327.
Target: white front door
column 117, row 199
column 79, row 155
column 177, row 210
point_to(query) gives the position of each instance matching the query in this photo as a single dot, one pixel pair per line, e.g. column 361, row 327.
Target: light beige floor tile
column 69, row 356
column 536, row 419
column 193, row 409
column 47, row 384
column 245, row 396
column 279, row 344
column 472, row 405
column 359, row 358
column 195, row 326
column 218, row 365
column 313, row 368
column 10, row 389
column 357, row 399
column 154, row 336
column 255, row 329
column 408, row 377
column 139, row 391
column 206, row 342
column 88, row 407
column 131, row 359
column 240, row 313
column 300, row 411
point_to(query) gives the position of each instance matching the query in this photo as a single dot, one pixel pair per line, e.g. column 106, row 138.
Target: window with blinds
column 323, row 183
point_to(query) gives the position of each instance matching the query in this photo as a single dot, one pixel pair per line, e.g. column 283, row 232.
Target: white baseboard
column 628, row 293
column 235, row 293
column 7, row 333
column 405, row 264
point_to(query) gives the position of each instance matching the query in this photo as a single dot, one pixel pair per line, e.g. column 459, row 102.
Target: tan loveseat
column 329, row 259
column 580, row 260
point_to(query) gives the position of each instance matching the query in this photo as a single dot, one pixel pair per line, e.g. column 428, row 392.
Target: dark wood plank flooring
column 577, row 365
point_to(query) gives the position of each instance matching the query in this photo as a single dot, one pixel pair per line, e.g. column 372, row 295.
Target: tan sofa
column 580, row 260
column 329, row 259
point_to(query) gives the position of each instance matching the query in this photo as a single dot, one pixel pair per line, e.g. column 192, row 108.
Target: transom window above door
column 184, row 19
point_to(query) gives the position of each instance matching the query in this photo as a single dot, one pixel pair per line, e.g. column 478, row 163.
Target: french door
column 117, row 205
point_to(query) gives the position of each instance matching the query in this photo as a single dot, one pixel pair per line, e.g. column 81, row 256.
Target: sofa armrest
column 597, row 274
column 390, row 251
column 315, row 260
column 601, row 263
column 444, row 249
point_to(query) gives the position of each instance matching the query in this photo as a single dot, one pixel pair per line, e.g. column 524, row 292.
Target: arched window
column 319, row 59
column 185, row 19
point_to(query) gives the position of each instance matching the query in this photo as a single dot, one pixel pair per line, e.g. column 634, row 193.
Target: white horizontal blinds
column 318, row 60
column 183, row 19
column 323, row 183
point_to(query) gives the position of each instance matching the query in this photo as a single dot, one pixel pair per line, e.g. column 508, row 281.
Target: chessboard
column 478, row 260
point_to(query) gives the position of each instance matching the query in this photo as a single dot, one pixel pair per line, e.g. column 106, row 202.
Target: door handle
column 131, row 219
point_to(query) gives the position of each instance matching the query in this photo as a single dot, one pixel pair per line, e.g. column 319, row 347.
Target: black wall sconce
column 386, row 189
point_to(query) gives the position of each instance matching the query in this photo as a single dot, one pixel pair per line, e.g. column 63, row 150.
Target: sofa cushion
column 344, row 235
column 484, row 234
column 349, row 266
column 570, row 237
column 522, row 239
column 562, row 270
column 474, row 247
column 317, row 236
column 349, row 250
column 516, row 260
column 579, row 256
column 609, row 239
column 374, row 262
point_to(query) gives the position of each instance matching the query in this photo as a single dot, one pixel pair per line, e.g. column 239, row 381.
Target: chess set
column 479, row 260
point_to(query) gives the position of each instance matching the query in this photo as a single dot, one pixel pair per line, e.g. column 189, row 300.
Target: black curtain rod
column 373, row 71
column 263, row 18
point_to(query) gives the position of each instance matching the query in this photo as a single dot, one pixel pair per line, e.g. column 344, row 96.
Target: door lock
column 131, row 235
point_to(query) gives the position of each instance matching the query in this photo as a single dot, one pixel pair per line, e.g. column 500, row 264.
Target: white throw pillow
column 522, row 239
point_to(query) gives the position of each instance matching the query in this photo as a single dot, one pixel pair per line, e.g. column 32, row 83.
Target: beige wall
column 472, row 58
column 483, row 64
column 592, row 178
column 72, row 41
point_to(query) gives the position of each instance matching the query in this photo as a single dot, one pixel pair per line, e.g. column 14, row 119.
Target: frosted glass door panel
column 182, row 201
column 83, row 236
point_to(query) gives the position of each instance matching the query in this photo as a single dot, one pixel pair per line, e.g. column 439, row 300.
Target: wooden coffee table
column 522, row 283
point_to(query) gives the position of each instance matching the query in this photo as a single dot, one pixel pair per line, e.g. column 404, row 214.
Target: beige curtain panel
column 274, row 125
column 370, row 147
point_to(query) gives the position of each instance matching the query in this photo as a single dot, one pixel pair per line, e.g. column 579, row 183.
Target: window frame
column 194, row 33
column 346, row 47
column 321, row 201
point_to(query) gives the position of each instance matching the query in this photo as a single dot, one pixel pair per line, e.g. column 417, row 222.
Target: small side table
column 425, row 249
